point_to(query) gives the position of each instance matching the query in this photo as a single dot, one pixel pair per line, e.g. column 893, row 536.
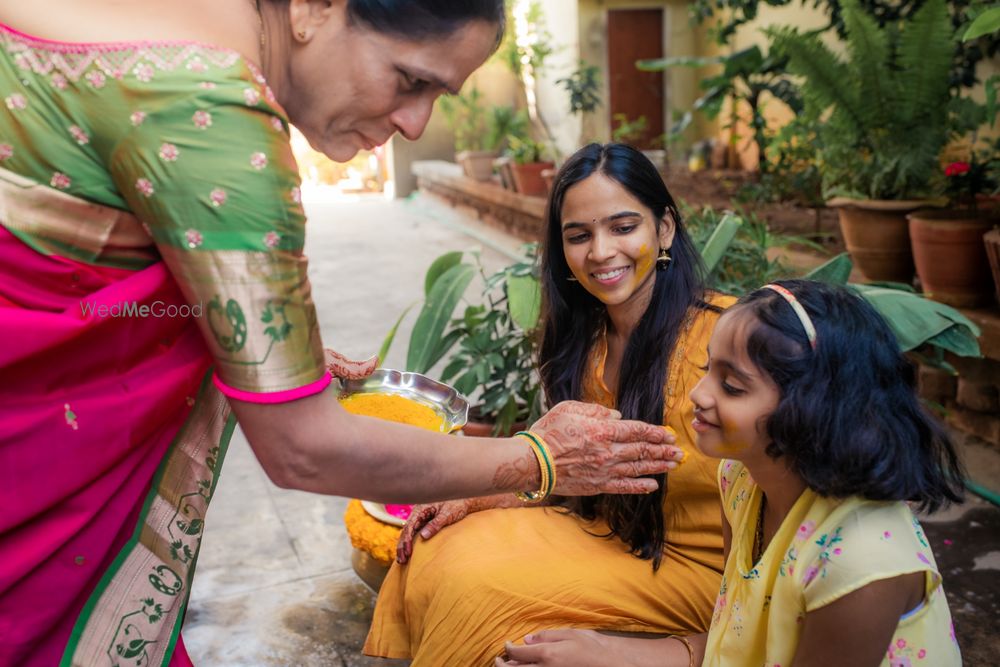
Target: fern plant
column 884, row 106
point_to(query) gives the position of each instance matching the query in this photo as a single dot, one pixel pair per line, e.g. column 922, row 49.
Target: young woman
column 814, row 409
column 626, row 325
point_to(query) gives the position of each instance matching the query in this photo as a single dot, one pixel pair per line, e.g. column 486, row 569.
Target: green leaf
column 985, row 23
column 389, row 337
column 916, row 320
column 660, row 64
column 435, row 315
column 438, row 267
column 524, row 300
column 444, row 345
column 835, row 271
column 715, row 248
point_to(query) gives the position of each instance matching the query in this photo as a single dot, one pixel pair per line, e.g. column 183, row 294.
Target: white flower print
column 277, row 124
column 144, row 72
column 96, row 79
column 169, row 152
column 194, row 238
column 272, row 239
column 78, row 134
column 117, row 74
column 202, row 120
column 60, row 181
column 207, row 85
column 197, row 66
column 16, row 101
column 137, row 117
column 258, row 160
column 297, row 195
column 251, row 96
column 59, row 81
column 21, row 61
column 218, row 197
column 269, row 94
column 6, row 152
column 144, row 187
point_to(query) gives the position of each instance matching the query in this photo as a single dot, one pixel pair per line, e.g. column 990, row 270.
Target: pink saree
column 96, row 558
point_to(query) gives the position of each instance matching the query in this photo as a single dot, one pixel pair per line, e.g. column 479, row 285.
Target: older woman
column 152, row 282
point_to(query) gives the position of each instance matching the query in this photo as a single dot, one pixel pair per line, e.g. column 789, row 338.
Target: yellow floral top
column 824, row 549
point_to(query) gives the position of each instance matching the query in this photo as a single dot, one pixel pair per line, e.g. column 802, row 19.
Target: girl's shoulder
column 841, row 545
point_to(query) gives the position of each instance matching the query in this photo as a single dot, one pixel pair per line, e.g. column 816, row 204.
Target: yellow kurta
column 501, row 574
column 824, row 549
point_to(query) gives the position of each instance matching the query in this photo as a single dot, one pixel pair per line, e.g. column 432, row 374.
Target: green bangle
column 547, row 470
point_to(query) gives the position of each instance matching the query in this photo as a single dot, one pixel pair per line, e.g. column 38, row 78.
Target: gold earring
column 301, row 34
column 663, row 260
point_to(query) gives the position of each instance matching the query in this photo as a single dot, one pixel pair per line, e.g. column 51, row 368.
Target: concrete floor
column 274, row 585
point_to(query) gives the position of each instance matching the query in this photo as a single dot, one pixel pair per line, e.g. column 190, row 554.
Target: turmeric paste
column 395, row 408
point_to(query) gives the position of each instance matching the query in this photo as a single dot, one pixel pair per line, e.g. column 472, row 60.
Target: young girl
column 627, row 325
column 808, row 399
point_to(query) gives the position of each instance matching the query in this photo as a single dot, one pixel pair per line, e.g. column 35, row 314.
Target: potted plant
column 528, row 163
column 948, row 246
column 480, row 131
column 489, row 350
column 885, row 111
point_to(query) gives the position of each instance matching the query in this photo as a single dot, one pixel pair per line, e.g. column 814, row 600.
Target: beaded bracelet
column 687, row 645
column 548, row 471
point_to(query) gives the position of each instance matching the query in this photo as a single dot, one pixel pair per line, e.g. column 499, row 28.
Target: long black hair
column 848, row 420
column 574, row 319
column 423, row 19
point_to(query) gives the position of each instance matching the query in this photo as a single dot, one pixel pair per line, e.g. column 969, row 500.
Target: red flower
column 957, row 169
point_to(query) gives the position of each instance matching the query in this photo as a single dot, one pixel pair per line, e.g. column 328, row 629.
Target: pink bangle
column 271, row 397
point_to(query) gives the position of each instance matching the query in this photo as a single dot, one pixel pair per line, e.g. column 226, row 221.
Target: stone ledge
column 517, row 214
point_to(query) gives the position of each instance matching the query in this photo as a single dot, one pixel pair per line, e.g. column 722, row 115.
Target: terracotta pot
column 548, row 176
column 528, row 178
column 477, row 165
column 877, row 236
column 991, row 240
column 950, row 255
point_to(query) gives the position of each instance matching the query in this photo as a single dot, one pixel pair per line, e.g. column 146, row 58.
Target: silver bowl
column 441, row 398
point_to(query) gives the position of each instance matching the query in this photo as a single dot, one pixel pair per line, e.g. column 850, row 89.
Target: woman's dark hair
column 574, row 320
column 423, row 19
column 848, row 420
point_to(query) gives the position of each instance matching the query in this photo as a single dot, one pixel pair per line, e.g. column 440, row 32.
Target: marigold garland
column 371, row 535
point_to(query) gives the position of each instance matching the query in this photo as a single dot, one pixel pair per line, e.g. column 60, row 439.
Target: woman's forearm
column 314, row 445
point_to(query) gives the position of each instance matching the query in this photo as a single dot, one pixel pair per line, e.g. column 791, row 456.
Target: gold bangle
column 546, row 469
column 687, row 645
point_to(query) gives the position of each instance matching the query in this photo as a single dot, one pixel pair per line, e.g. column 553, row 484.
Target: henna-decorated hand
column 595, row 451
column 429, row 519
column 348, row 369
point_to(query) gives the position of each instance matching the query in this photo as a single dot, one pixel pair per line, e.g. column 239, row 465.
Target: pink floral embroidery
column 277, row 124
column 197, row 66
column 6, row 152
column 258, row 161
column 137, row 117
column 60, row 181
column 96, row 79
column 194, row 238
column 144, row 187
column 251, row 96
column 218, row 197
column 78, row 134
column 810, row 574
column 59, row 81
column 144, row 72
column 117, row 74
column 202, row 119
column 272, row 239
column 207, row 85
column 806, row 530
column 268, row 94
column 22, row 61
column 922, row 653
column 886, row 535
column 70, row 417
column 16, row 101
column 900, row 643
column 922, row 558
column 297, row 195
column 169, row 152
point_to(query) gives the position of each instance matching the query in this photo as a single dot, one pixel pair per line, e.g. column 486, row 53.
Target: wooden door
column 635, row 34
